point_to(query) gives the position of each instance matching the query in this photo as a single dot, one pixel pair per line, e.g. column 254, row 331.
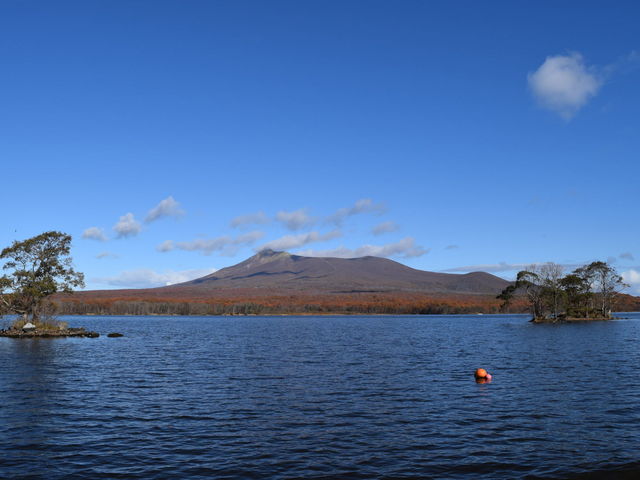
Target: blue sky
column 171, row 138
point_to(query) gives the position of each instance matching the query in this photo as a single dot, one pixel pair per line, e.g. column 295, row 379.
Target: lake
column 323, row 397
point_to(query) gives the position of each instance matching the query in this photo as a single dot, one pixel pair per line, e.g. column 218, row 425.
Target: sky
column 174, row 138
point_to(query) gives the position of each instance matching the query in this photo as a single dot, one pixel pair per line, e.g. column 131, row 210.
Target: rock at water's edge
column 67, row 332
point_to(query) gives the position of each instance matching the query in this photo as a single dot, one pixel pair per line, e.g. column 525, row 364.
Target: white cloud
column 226, row 244
column 94, row 233
column 385, row 227
column 106, row 255
column 491, row 267
column 564, row 84
column 258, row 218
column 405, row 248
column 632, row 277
column 146, row 278
column 205, row 245
column 295, row 220
column 127, row 226
column 289, row 242
column 249, row 238
column 166, row 246
column 246, row 239
column 364, row 205
column 508, row 267
column 166, row 208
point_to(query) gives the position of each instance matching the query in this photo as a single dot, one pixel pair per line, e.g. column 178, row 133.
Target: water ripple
column 329, row 397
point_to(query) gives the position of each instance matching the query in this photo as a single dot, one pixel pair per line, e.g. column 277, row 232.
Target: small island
column 586, row 294
column 53, row 331
column 36, row 269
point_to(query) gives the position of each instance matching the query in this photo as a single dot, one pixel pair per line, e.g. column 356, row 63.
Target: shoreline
column 345, row 314
column 575, row 319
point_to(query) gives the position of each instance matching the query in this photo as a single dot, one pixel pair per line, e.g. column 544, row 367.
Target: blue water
column 323, row 397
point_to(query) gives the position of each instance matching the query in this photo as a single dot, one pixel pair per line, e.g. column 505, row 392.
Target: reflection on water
column 322, row 397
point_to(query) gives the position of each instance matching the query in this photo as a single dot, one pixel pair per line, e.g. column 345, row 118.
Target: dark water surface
column 323, row 397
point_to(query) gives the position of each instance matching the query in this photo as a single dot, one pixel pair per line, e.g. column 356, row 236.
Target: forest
column 298, row 304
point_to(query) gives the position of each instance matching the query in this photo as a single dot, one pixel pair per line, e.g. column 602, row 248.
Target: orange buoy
column 482, row 376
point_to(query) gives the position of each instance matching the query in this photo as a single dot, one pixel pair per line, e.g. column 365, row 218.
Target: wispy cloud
column 205, row 246
column 490, row 267
column 166, row 246
column 405, row 248
column 146, row 278
column 385, row 227
column 451, row 247
column 102, row 255
column 627, row 256
column 289, row 242
column 626, row 64
column 249, row 238
column 295, row 220
column 225, row 244
column 564, row 84
column 127, row 226
column 509, row 267
column 166, row 208
column 257, row 218
column 95, row 233
column 632, row 277
column 364, row 205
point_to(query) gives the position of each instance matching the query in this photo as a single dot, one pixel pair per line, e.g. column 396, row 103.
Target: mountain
column 283, row 272
column 278, row 282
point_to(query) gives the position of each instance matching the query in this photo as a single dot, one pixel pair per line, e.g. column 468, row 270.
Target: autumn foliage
column 125, row 303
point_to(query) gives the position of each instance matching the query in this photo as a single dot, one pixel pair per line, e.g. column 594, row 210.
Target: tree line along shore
column 40, row 280
column 361, row 304
column 387, row 303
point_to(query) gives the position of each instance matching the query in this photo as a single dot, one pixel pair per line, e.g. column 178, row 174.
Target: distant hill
column 277, row 282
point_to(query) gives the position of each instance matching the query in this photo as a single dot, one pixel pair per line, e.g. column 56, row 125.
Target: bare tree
column 607, row 284
column 550, row 275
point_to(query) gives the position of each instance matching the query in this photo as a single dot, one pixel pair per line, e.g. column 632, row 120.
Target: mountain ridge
column 284, row 271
